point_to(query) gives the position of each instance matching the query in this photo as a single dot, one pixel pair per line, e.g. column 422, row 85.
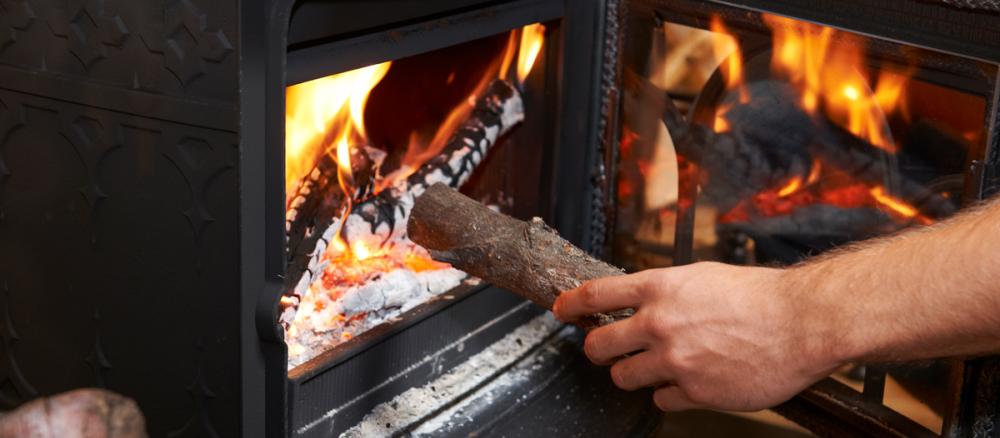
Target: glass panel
column 805, row 139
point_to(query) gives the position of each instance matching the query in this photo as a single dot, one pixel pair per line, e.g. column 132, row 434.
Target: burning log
column 319, row 201
column 381, row 219
column 527, row 258
column 84, row 413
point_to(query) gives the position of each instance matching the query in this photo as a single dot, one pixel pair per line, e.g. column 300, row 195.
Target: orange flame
column 827, row 69
column 325, row 108
column 832, row 75
column 726, row 48
column 421, row 148
column 532, row 39
column 790, row 188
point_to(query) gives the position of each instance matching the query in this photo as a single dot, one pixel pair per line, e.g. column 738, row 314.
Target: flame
column 790, row 188
column 325, row 108
column 898, row 206
column 422, row 148
column 721, row 123
column 726, row 48
column 832, row 77
column 532, row 39
column 827, row 69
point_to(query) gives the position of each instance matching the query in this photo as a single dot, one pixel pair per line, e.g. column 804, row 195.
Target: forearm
column 926, row 293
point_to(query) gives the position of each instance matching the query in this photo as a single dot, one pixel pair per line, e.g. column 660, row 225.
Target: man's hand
column 707, row 335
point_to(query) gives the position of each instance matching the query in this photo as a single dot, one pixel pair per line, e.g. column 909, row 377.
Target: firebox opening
column 806, row 138
column 361, row 145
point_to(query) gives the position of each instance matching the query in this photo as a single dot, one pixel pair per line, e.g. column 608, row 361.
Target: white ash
column 501, row 387
column 392, row 417
column 328, row 318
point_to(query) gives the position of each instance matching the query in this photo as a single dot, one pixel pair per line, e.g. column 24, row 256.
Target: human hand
column 708, row 335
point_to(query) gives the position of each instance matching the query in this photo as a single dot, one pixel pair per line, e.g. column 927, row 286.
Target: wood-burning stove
column 143, row 204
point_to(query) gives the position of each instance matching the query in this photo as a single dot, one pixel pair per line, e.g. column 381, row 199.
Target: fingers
column 605, row 344
column 640, row 371
column 601, row 295
column 672, row 399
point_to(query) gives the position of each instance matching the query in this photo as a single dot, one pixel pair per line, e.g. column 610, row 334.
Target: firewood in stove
column 83, row 413
column 527, row 258
column 381, row 219
column 319, row 200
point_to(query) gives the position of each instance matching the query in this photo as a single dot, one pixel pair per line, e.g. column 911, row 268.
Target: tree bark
column 527, row 258
column 83, row 413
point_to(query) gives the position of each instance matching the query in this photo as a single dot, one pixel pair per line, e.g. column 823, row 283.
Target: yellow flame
column 894, row 204
column 790, row 188
column 832, row 75
column 327, row 108
column 532, row 39
column 726, row 48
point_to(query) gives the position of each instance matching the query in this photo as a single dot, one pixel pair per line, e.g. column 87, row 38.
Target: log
column 382, row 218
column 319, row 201
column 526, row 258
column 83, row 413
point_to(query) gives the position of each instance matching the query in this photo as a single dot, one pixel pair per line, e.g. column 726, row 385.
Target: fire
column 422, row 148
column 325, row 117
column 727, row 50
column 828, row 69
column 898, row 206
column 790, row 188
column 532, row 39
column 326, row 108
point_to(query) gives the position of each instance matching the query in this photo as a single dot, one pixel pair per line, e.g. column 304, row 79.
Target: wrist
column 822, row 322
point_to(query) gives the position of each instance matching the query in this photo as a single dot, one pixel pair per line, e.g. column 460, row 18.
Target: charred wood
column 382, row 218
column 527, row 258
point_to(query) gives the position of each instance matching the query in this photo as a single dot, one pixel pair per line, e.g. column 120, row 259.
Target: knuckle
column 620, row 376
column 592, row 347
column 590, row 295
column 660, row 400
column 679, row 361
column 655, row 325
column 697, row 394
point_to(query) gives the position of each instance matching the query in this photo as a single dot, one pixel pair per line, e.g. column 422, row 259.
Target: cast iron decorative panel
column 127, row 229
column 177, row 47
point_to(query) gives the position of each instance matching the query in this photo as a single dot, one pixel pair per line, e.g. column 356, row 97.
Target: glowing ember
column 365, row 282
column 827, row 70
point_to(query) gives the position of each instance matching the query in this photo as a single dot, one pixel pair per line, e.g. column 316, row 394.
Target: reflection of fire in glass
column 350, row 263
column 806, row 138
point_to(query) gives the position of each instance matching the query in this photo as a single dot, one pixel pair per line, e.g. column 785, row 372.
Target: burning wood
column 319, row 201
column 372, row 236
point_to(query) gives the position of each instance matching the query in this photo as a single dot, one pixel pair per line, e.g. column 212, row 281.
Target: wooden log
column 527, row 258
column 83, row 413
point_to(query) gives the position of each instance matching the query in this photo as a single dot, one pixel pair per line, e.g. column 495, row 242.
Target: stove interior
column 361, row 144
column 805, row 138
